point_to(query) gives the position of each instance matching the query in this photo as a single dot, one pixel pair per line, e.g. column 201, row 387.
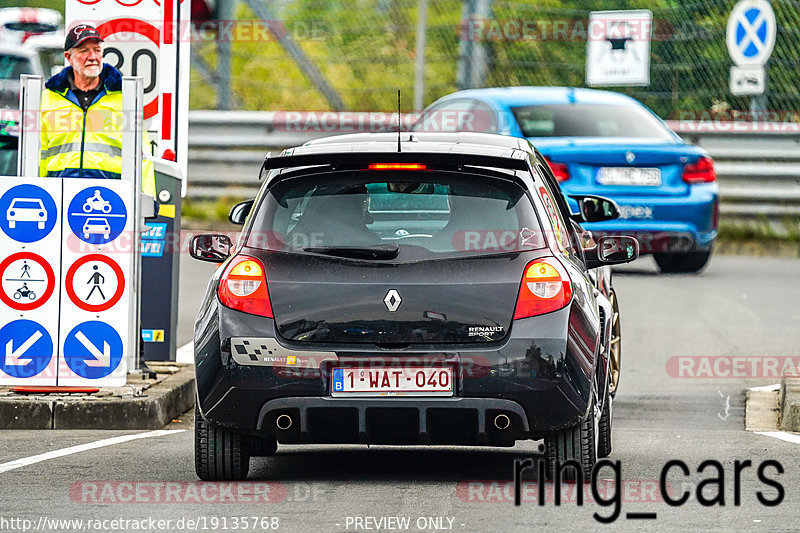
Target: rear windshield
column 589, row 120
column 422, row 214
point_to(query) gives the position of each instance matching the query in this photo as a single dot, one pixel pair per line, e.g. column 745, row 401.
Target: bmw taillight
column 701, row 171
column 243, row 287
column 560, row 170
column 545, row 287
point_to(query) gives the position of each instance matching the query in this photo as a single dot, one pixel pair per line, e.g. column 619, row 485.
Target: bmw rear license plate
column 405, row 381
column 629, row 176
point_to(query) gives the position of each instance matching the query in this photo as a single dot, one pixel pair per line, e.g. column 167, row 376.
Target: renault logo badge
column 630, row 157
column 392, row 300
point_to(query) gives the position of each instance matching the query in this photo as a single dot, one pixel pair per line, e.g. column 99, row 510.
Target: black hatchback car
column 405, row 289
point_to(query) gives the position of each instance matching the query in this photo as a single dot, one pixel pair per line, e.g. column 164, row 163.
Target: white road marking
column 185, row 353
column 782, row 435
column 25, row 461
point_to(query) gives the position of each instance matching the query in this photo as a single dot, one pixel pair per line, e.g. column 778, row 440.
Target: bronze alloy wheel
column 616, row 346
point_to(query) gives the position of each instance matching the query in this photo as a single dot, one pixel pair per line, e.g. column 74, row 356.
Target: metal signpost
column 618, row 48
column 750, row 39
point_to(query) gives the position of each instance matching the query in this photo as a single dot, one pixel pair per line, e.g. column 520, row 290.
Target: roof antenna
column 398, row 121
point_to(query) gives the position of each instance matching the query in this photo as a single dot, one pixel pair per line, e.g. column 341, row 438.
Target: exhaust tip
column 502, row 422
column 284, row 422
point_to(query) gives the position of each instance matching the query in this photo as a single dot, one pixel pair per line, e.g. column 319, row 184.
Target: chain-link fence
column 355, row 54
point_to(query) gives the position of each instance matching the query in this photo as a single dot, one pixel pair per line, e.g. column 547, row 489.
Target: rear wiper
column 379, row 251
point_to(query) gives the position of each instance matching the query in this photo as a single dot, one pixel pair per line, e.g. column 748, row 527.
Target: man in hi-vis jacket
column 82, row 118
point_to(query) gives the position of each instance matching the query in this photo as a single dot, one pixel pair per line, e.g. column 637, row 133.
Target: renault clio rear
column 432, row 296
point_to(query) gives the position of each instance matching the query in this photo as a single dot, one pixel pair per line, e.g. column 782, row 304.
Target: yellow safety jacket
column 87, row 144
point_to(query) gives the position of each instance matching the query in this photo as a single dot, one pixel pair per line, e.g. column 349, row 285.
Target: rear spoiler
column 433, row 159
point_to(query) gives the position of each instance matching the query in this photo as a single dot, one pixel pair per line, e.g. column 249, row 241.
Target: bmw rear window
column 589, row 120
column 427, row 214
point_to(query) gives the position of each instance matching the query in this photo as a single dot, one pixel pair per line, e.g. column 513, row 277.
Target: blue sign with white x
column 751, row 32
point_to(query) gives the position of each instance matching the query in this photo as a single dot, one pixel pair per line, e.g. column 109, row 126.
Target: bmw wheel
column 219, row 455
column 682, row 263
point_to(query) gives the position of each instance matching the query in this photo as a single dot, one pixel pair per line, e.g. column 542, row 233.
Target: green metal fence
column 355, row 54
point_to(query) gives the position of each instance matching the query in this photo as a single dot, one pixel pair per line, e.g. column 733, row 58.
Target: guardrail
column 758, row 164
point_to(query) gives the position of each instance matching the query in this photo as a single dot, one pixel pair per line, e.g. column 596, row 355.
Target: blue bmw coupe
column 605, row 143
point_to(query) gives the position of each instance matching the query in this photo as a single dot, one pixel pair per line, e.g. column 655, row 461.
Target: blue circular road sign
column 97, row 215
column 27, row 213
column 93, row 349
column 25, row 348
column 751, row 32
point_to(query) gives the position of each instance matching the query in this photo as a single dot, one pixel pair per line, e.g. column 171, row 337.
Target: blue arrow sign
column 25, row 348
column 27, row 213
column 93, row 349
column 97, row 215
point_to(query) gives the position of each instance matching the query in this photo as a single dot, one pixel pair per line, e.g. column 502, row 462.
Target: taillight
column 701, row 171
column 243, row 287
column 560, row 170
column 545, row 287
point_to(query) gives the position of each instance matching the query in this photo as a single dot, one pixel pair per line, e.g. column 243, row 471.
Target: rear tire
column 219, row 455
column 578, row 443
column 682, row 263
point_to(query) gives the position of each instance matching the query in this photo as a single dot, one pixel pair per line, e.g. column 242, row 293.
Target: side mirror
column 210, row 247
column 239, row 212
column 612, row 250
column 593, row 208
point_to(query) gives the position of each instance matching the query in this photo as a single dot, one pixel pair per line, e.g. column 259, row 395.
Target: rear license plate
column 629, row 176
column 406, row 381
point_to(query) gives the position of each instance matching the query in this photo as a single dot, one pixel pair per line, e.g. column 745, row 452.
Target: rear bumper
column 536, row 377
column 666, row 224
column 453, row 421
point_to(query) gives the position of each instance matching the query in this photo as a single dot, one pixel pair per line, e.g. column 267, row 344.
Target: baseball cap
column 80, row 33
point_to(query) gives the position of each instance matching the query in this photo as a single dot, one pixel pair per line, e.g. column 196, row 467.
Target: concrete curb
column 790, row 404
column 154, row 409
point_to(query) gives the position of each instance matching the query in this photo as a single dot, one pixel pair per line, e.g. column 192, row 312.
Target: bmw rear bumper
column 666, row 223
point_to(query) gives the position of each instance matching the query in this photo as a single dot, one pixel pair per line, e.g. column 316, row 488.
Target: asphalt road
column 740, row 306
